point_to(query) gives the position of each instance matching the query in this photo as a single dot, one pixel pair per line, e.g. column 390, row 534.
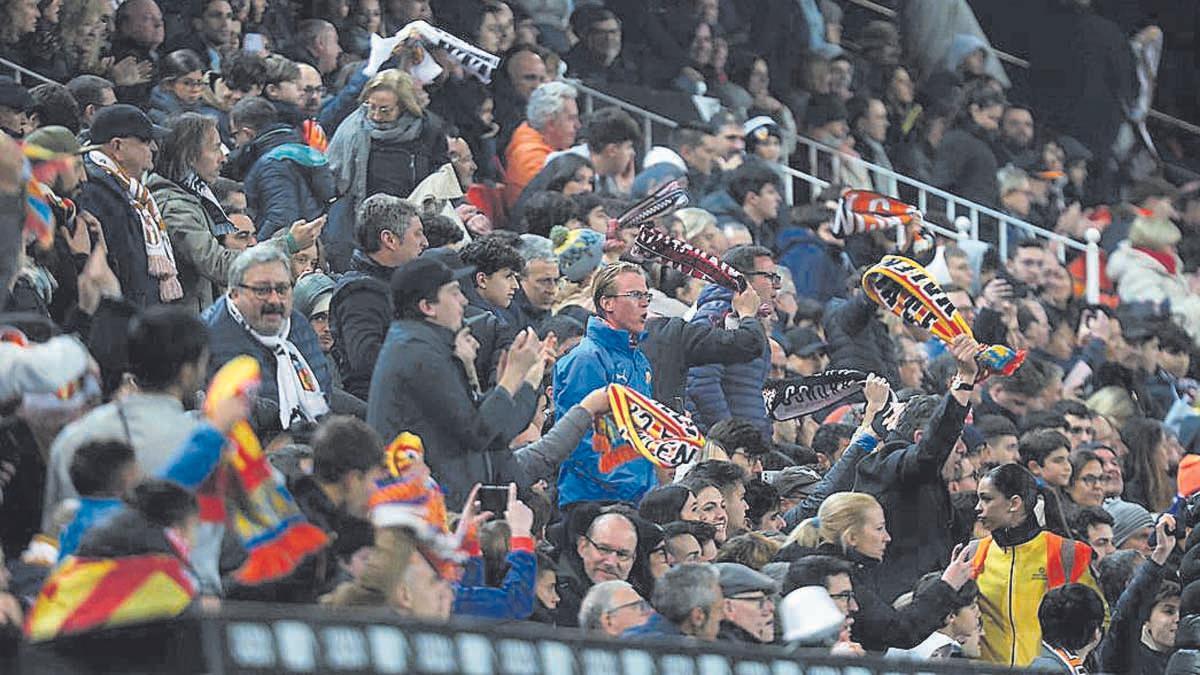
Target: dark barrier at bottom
column 260, row 638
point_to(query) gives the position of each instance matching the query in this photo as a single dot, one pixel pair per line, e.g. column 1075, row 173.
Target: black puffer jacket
column 359, row 314
column 965, row 165
column 858, row 339
column 1186, row 659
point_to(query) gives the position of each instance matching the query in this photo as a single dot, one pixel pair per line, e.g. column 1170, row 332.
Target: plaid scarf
column 243, row 491
column 798, row 396
column 906, row 289
column 639, row 426
column 160, row 257
column 863, row 211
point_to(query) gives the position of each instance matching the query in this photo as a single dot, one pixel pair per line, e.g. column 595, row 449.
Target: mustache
column 273, row 308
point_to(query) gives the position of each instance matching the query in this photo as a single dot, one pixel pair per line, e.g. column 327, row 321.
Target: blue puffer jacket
column 604, row 357
column 820, row 269
column 285, row 180
column 717, row 392
column 512, row 600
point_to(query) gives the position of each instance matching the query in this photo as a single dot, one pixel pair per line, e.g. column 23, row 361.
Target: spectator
column 255, row 317
column 539, row 280
column 748, row 615
column 817, row 260
column 965, row 164
column 551, row 124
column 91, row 93
column 607, row 352
column 1072, row 623
column 752, row 198
column 1008, row 495
column 611, row 137
column 1145, row 620
column 466, row 437
column 1087, row 479
column 730, row 480
column 53, row 105
column 832, row 574
column 869, row 123
column 1132, row 525
column 600, row 56
column 389, row 234
column 1016, row 135
column 1146, row 268
column 181, row 87
column 1094, row 526
column 101, row 472
column 138, row 33
column 314, row 292
column 715, row 391
column 687, row 601
column 316, row 43
column 611, row 608
column 213, row 30
column 1147, row 481
column 1187, row 646
column 742, row 442
column 496, row 266
column 602, row 549
column 284, row 179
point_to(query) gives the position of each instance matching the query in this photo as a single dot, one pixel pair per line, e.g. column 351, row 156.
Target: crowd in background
column 422, row 256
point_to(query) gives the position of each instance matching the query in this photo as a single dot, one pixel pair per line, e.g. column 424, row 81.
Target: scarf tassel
column 280, row 556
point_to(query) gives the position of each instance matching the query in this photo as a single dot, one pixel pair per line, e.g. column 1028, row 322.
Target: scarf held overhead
column 906, row 289
column 671, row 251
column 160, row 257
column 798, row 396
column 863, row 211
column 642, row 427
column 243, row 491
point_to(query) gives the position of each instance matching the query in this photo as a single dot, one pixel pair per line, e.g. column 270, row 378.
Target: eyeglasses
column 844, row 596
column 314, row 91
column 191, row 84
column 1091, row 481
column 636, row 296
column 264, row 292
column 775, row 277
column 641, row 605
column 763, row 601
column 620, row 555
column 382, row 111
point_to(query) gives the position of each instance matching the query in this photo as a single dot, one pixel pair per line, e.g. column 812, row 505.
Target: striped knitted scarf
column 798, row 396
column 905, row 289
column 642, row 427
column 863, row 211
column 671, row 251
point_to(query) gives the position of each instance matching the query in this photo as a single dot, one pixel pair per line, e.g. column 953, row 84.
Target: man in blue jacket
column 608, row 354
column 718, row 392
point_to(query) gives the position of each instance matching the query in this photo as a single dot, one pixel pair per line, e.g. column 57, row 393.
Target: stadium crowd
column 391, row 225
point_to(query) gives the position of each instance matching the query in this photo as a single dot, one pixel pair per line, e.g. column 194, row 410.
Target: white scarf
column 160, row 257
column 299, row 391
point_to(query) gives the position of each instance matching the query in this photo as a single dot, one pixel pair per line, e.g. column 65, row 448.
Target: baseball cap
column 422, row 277
column 13, row 95
column 57, row 139
column 123, row 121
column 796, row 479
column 313, row 293
column 737, row 578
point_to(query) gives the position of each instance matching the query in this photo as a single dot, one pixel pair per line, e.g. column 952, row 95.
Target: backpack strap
column 980, row 557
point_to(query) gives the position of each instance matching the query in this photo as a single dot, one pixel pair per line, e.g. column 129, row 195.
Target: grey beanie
column 1128, row 519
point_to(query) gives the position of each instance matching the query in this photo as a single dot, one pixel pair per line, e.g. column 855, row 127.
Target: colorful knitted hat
column 579, row 252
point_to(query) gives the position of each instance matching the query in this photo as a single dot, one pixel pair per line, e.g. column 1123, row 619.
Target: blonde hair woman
column 851, row 526
column 390, row 144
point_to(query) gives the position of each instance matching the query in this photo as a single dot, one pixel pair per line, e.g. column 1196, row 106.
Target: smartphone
column 493, row 498
column 769, row 477
column 254, row 43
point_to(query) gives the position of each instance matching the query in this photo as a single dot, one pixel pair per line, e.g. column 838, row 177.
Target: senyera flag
column 905, row 288
column 640, row 427
column 671, row 251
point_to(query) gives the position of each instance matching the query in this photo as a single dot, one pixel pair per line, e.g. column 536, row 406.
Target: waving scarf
column 671, row 251
column 642, row 427
column 44, row 208
column 200, row 189
column 299, row 392
column 863, row 211
column 160, row 257
column 905, row 289
column 794, row 397
column 243, row 491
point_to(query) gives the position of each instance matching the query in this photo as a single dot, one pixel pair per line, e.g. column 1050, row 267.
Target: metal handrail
column 20, row 71
column 966, row 226
column 1022, row 63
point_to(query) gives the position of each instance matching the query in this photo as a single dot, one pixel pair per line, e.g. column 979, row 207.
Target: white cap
column 810, row 616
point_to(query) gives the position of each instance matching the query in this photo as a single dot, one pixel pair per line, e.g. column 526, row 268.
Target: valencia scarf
column 243, row 491
column 299, row 392
column 798, row 396
column 160, row 257
column 671, row 251
column 200, row 189
column 639, row 426
column 863, row 211
column 905, row 289
column 43, row 207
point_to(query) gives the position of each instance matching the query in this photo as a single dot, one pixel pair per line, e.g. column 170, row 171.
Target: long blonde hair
column 400, row 84
column 840, row 514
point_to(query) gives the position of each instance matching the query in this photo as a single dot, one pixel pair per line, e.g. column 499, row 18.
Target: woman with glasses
column 390, row 144
column 1087, row 479
column 851, row 526
column 182, row 87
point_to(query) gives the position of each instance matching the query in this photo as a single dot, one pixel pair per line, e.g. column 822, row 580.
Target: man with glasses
column 256, row 317
column 749, row 604
column 611, row 608
column 608, row 354
column 833, row 575
column 603, row 551
column 716, row 391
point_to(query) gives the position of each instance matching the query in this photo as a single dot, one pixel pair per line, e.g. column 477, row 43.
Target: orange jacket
column 524, row 158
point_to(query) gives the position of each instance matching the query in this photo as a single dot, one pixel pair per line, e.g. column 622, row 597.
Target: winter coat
column 1140, row 278
column 359, row 314
column 513, row 600
column 906, row 479
column 1186, row 659
column 675, row 345
column 819, row 269
column 284, row 179
column 1122, row 650
column 572, row 585
column 135, row 94
column 419, row 385
column 858, row 339
column 1012, row 574
column 603, row 357
column 718, row 392
column 523, row 158
column 368, row 161
column 966, row 166
column 227, row 339
column 106, row 200
column 164, row 104
column 877, row 625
